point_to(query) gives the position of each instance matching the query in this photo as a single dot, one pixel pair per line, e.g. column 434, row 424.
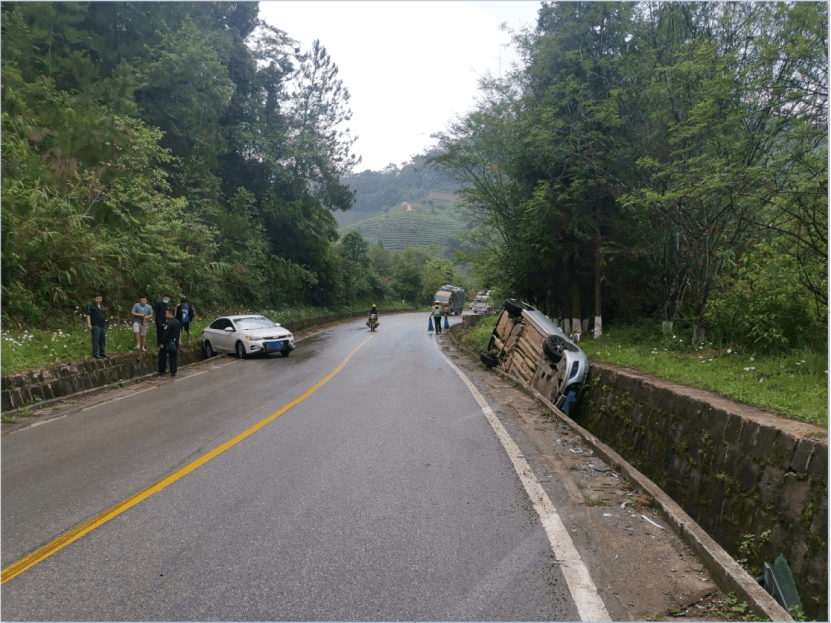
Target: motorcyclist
column 373, row 311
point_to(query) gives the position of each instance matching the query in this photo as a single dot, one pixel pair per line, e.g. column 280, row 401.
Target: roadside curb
column 732, row 577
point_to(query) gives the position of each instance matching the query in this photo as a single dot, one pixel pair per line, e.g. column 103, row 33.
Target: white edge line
column 580, row 583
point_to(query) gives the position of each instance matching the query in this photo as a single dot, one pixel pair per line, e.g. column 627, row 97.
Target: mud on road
column 642, row 570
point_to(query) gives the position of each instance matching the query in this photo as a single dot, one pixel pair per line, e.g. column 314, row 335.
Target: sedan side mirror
column 229, row 329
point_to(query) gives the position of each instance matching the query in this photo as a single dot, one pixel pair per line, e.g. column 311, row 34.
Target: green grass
column 477, row 338
column 31, row 349
column 794, row 384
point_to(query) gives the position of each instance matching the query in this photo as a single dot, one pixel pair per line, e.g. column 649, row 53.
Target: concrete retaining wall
column 736, row 470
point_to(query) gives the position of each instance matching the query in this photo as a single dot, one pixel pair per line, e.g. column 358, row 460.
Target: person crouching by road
column 185, row 312
column 97, row 326
column 170, row 343
column 142, row 312
column 437, row 317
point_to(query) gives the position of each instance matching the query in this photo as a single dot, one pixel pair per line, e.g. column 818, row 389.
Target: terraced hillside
column 413, row 224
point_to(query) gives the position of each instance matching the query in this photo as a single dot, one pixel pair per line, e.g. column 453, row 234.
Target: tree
column 318, row 106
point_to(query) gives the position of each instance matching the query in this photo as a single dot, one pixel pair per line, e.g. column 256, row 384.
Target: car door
column 219, row 337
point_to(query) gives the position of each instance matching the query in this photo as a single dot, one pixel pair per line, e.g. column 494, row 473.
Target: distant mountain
column 376, row 190
column 434, row 219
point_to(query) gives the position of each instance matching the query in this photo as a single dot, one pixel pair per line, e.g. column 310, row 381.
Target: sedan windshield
column 257, row 322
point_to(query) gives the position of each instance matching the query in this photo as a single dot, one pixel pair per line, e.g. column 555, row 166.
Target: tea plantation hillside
column 410, row 224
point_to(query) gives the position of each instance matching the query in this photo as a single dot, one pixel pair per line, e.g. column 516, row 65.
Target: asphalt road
column 384, row 493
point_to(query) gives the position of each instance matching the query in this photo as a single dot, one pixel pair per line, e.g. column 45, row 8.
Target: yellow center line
column 44, row 552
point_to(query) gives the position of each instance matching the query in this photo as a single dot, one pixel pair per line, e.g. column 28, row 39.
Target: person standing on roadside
column 142, row 312
column 159, row 310
column 97, row 326
column 185, row 312
column 169, row 347
column 437, row 317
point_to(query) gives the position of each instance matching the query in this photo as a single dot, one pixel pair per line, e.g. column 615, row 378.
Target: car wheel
column 489, row 360
column 241, row 351
column 285, row 352
column 513, row 308
column 552, row 347
column 209, row 350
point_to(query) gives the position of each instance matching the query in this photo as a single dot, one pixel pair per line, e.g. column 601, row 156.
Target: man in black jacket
column 159, row 310
column 169, row 346
column 97, row 326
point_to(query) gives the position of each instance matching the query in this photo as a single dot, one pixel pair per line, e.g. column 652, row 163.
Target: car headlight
column 574, row 368
column 248, row 338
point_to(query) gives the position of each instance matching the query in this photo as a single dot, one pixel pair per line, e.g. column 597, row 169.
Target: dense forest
column 661, row 160
column 183, row 148
column 665, row 160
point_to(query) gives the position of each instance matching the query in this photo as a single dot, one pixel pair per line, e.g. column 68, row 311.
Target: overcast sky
column 410, row 66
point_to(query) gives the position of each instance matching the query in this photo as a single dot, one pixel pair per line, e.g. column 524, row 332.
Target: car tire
column 208, row 350
column 489, row 360
column 240, row 348
column 552, row 348
column 285, row 352
column 513, row 308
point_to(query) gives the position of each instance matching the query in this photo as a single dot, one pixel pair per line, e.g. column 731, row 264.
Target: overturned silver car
column 530, row 347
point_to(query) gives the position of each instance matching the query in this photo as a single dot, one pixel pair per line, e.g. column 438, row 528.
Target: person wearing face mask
column 169, row 347
column 159, row 310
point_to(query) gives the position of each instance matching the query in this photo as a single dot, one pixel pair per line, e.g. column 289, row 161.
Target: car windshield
column 443, row 299
column 257, row 322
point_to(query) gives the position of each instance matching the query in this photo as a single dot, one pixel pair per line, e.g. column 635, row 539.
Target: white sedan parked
column 246, row 335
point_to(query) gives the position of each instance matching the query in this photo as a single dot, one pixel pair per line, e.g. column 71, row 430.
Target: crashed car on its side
column 528, row 345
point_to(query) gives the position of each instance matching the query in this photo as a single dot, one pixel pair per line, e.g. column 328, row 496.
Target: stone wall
column 18, row 390
column 736, row 470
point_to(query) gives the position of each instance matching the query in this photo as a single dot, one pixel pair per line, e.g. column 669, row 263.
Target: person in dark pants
column 185, row 312
column 437, row 317
column 159, row 310
column 97, row 326
column 170, row 343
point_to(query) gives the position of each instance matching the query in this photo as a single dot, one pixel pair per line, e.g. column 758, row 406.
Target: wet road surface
column 384, row 493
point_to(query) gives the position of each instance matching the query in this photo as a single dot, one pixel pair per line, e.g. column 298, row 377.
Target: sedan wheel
column 241, row 351
column 209, row 350
column 552, row 348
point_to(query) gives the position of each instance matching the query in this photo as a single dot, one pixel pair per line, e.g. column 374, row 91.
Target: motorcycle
column 372, row 322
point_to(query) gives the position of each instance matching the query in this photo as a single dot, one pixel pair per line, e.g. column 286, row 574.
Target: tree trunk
column 575, row 307
column 699, row 331
column 598, row 320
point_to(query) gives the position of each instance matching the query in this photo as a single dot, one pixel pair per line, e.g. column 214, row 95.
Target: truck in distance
column 451, row 299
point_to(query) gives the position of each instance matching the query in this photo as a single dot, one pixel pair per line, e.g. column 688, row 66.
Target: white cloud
column 410, row 66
